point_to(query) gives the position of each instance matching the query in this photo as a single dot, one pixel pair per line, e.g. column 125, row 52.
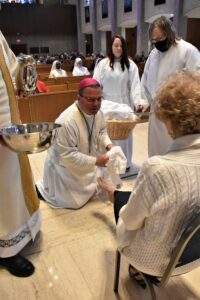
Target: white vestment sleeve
column 97, row 72
column 134, row 85
column 86, row 71
column 146, row 95
column 104, row 139
column 67, row 152
column 193, row 59
column 51, row 75
column 10, row 58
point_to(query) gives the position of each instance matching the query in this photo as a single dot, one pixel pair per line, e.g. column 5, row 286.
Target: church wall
column 35, row 26
column 152, row 11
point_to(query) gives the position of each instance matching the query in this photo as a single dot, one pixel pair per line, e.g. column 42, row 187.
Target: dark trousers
column 120, row 199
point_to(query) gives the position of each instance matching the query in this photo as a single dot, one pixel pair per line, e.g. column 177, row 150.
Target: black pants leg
column 120, row 199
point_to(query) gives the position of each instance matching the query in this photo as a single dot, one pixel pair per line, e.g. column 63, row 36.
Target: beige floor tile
column 74, row 254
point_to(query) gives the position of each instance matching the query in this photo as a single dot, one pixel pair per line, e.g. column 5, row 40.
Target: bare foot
column 108, row 187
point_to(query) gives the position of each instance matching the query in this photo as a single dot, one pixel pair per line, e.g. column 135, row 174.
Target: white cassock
column 70, row 173
column 17, row 226
column 120, row 87
column 55, row 73
column 79, row 70
column 158, row 67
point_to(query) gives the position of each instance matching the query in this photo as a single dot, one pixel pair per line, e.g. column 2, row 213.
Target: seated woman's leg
column 120, row 199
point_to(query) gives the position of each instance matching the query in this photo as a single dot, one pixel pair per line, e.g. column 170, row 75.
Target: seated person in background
column 70, row 171
column 56, row 70
column 79, row 69
column 41, row 87
column 151, row 219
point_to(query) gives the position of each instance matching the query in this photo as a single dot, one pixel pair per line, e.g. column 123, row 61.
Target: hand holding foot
column 108, row 187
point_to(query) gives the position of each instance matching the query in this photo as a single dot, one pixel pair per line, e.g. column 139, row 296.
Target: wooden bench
column 45, row 107
column 63, row 87
column 64, row 80
column 67, row 66
column 60, row 87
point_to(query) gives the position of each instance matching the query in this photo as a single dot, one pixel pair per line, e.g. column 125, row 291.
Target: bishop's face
column 90, row 100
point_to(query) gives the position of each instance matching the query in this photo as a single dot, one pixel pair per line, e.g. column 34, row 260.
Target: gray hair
column 167, row 27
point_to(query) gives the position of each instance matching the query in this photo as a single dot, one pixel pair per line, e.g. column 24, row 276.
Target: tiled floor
column 74, row 254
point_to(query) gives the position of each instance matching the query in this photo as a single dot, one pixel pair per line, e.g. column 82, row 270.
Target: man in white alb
column 70, row 177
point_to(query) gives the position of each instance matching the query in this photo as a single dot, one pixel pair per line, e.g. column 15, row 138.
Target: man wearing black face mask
column 170, row 54
column 162, row 45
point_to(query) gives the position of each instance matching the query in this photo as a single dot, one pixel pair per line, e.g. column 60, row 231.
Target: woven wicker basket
column 120, row 129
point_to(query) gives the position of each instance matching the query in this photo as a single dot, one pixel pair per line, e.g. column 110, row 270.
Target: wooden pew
column 60, row 87
column 45, row 107
column 64, row 80
column 43, row 76
column 73, row 86
column 67, row 66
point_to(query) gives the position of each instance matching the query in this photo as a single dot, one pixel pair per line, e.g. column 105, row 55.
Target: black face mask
column 163, row 45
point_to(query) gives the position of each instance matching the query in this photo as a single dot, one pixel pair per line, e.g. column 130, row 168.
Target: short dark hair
column 167, row 27
column 94, row 86
column 124, row 61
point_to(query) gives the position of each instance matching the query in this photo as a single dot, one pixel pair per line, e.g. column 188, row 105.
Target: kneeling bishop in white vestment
column 70, row 171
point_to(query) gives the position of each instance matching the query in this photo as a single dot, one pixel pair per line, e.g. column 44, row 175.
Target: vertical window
column 127, row 6
column 87, row 11
column 87, row 14
column 104, row 8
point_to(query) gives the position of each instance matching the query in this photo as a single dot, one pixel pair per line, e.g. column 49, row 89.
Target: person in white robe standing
column 20, row 218
column 171, row 54
column 70, row 171
column 56, row 70
column 119, row 78
column 79, row 69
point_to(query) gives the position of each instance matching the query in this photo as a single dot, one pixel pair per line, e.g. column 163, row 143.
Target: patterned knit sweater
column 166, row 195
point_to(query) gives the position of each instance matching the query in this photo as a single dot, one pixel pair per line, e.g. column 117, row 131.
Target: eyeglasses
column 91, row 99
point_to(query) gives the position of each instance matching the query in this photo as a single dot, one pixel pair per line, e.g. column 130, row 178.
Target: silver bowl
column 29, row 138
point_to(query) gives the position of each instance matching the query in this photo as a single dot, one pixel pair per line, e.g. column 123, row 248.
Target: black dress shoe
column 18, row 265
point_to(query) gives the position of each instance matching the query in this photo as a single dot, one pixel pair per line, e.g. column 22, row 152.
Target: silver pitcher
column 27, row 76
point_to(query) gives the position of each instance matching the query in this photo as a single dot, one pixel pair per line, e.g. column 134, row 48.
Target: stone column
column 80, row 35
column 123, row 32
column 96, row 37
column 142, row 28
column 179, row 20
column 103, row 43
column 113, row 15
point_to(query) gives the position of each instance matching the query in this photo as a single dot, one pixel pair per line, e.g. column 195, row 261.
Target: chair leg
column 151, row 287
column 117, row 270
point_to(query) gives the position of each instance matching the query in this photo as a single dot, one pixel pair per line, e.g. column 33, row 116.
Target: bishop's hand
column 102, row 160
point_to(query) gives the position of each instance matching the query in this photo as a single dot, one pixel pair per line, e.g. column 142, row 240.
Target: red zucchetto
column 87, row 82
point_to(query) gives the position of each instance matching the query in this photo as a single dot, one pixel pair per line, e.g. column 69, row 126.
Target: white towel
column 118, row 111
column 115, row 166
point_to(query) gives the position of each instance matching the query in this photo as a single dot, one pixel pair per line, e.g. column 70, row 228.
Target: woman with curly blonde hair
column 178, row 104
column 166, row 195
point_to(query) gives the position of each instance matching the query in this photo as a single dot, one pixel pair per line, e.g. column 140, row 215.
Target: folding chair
column 187, row 250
